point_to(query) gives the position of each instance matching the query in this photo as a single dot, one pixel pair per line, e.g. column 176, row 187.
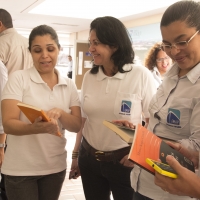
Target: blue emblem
column 126, row 106
column 173, row 116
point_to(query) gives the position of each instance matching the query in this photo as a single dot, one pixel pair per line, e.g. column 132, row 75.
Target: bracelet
column 74, row 154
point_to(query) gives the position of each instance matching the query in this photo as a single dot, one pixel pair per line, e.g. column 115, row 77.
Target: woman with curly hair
column 158, row 62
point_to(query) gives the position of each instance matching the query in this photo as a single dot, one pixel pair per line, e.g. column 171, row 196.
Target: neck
column 110, row 71
column 51, row 79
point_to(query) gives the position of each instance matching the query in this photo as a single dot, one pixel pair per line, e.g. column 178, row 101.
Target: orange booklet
column 147, row 145
column 32, row 113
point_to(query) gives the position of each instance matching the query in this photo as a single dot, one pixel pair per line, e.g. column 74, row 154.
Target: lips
column 179, row 59
column 45, row 63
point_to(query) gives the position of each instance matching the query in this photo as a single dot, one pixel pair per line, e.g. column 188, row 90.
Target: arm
column 2, row 141
column 74, row 165
column 187, row 183
column 3, row 80
column 14, row 126
column 70, row 121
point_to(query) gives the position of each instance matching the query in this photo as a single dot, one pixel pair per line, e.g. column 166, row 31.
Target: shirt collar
column 118, row 75
column 193, row 75
column 155, row 69
column 35, row 76
column 9, row 30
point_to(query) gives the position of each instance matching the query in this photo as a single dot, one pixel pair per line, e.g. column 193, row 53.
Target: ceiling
column 22, row 19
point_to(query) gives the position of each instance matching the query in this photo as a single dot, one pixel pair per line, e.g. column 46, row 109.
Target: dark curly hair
column 112, row 32
column 150, row 60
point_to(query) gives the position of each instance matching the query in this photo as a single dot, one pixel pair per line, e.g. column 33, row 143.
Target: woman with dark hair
column 174, row 110
column 114, row 88
column 158, row 62
column 35, row 158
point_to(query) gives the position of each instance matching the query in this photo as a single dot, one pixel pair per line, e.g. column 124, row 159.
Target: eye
column 96, row 43
column 50, row 49
column 182, row 43
column 37, row 50
column 167, row 46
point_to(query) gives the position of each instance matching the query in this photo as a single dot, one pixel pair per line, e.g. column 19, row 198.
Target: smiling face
column 101, row 53
column 44, row 51
column 163, row 62
column 190, row 56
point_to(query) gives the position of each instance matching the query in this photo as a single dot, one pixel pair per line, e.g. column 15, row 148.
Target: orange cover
column 147, row 145
column 32, row 113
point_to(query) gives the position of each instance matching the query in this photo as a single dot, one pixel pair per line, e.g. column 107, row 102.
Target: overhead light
column 90, row 9
column 26, row 33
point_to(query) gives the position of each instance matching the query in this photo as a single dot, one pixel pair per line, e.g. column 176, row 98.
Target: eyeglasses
column 178, row 45
column 94, row 43
column 162, row 59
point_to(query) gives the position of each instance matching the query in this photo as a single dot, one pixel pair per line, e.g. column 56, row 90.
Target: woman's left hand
column 127, row 163
column 55, row 113
column 124, row 123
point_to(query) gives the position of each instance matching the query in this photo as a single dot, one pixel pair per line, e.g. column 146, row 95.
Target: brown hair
column 6, row 18
column 150, row 60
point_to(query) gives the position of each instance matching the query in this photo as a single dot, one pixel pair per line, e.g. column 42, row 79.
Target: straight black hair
column 6, row 18
column 43, row 30
column 188, row 11
column 112, row 32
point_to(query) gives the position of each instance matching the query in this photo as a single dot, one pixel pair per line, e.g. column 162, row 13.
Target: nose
column 165, row 61
column 91, row 48
column 45, row 54
column 174, row 50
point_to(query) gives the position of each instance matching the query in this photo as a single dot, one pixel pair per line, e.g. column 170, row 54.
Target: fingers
column 39, row 119
column 54, row 113
column 124, row 161
column 174, row 164
column 124, row 123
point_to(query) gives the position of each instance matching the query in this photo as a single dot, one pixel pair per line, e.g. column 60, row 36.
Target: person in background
column 158, row 62
column 70, row 65
column 187, row 183
column 15, row 55
column 35, row 159
column 14, row 51
column 174, row 110
column 114, row 88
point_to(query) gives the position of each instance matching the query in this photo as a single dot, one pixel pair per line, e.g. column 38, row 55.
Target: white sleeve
column 3, row 80
column 148, row 91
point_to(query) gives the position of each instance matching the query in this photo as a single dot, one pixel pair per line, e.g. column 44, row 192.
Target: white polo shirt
column 37, row 154
column 123, row 96
column 3, row 80
column 174, row 114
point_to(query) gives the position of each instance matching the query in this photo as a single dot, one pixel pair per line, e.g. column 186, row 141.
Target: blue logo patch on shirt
column 173, row 116
column 126, row 106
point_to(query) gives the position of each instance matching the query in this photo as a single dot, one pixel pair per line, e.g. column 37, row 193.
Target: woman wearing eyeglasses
column 175, row 109
column 158, row 62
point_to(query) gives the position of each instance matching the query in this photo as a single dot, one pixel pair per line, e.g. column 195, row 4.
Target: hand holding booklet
column 32, row 113
column 146, row 144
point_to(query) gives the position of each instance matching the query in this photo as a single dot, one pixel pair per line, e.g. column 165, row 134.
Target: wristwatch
column 2, row 145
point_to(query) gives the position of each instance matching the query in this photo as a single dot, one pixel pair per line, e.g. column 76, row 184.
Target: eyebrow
column 37, row 45
column 177, row 38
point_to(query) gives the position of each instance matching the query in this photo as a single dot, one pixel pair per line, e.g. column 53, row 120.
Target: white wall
column 83, row 35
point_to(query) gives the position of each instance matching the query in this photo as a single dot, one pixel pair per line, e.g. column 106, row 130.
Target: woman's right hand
column 124, row 123
column 51, row 127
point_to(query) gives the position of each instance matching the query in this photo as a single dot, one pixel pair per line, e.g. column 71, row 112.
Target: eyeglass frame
column 174, row 45
column 162, row 59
